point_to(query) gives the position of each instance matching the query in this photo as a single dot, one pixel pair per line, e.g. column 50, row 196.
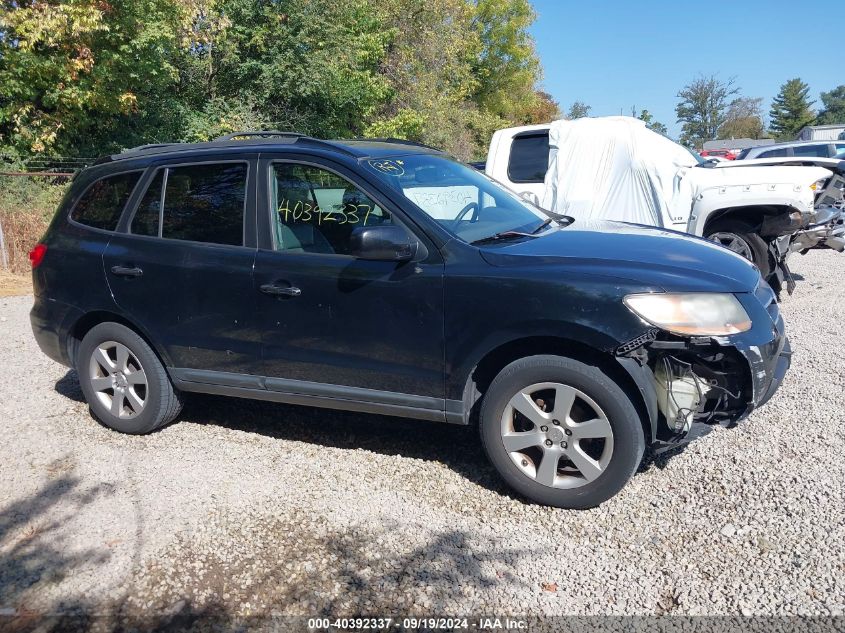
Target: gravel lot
column 245, row 508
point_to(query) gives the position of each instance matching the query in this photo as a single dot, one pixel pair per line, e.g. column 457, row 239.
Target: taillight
column 36, row 255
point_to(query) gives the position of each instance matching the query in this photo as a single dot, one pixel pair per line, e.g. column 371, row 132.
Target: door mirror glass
column 384, row 243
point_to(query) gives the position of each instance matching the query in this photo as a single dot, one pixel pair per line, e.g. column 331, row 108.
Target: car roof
column 267, row 141
column 793, row 144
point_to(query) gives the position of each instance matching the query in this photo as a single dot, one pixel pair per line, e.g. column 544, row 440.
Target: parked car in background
column 799, row 149
column 616, row 168
column 386, row 277
column 725, row 154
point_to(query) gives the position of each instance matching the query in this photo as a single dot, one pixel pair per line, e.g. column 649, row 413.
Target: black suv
column 383, row 276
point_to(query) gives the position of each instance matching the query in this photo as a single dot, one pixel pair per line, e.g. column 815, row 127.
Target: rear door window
column 529, row 159
column 199, row 203
column 102, row 203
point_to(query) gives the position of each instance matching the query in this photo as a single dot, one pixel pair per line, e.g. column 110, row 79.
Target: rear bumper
column 51, row 320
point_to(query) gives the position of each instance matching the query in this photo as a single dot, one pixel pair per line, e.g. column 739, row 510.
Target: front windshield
column 466, row 202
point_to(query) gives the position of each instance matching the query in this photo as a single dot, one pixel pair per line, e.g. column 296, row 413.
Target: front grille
column 766, row 296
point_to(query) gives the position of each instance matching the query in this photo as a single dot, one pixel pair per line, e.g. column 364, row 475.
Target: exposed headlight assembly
column 691, row 314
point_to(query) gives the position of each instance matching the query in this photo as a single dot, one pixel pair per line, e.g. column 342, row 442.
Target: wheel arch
column 496, row 359
column 89, row 320
column 752, row 215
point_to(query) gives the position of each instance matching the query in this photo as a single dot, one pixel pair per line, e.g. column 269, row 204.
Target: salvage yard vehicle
column 385, row 277
column 615, row 168
column 826, row 226
column 796, row 149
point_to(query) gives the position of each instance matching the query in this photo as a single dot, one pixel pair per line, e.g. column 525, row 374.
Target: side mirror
column 386, row 243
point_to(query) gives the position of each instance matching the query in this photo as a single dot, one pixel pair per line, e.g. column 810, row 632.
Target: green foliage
column 29, row 195
column 72, row 72
column 458, row 70
column 702, row 108
column 834, row 107
column 650, row 123
column 86, row 77
column 578, row 110
column 744, row 119
column 791, row 110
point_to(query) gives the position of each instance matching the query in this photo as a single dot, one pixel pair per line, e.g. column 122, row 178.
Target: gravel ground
column 252, row 508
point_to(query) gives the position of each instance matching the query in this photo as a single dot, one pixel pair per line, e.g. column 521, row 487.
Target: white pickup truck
column 754, row 208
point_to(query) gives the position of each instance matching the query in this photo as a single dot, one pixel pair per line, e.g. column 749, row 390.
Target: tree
column 545, row 110
column 458, row 70
column 834, row 107
column 72, row 73
column 702, row 107
column 94, row 76
column 649, row 121
column 506, row 67
column 744, row 119
column 578, row 110
column 306, row 65
column 791, row 110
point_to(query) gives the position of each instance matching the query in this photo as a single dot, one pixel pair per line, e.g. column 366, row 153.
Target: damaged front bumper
column 690, row 384
column 827, row 230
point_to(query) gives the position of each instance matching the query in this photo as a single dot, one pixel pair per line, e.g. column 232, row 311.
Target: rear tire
column 124, row 383
column 577, row 451
column 741, row 238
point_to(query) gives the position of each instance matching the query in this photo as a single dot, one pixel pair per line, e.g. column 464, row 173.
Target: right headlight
column 691, row 314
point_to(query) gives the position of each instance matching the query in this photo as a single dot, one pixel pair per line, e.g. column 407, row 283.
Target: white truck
column 615, row 168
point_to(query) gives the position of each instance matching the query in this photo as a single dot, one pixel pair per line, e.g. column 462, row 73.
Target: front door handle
column 280, row 291
column 127, row 271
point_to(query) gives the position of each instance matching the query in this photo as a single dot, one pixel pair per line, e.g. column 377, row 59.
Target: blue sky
column 614, row 54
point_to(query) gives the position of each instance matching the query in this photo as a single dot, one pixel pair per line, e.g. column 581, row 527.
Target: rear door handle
column 280, row 291
column 127, row 271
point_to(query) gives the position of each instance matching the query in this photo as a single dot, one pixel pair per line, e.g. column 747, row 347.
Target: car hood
column 650, row 256
column 749, row 172
column 833, row 164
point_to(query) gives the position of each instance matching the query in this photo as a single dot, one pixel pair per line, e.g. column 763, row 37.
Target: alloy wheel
column 118, row 379
column 557, row 435
column 733, row 242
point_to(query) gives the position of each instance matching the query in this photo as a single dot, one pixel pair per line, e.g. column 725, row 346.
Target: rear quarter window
column 774, row 153
column 102, row 203
column 529, row 159
column 817, row 151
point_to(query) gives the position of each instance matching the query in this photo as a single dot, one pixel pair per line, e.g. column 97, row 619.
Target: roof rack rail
column 259, row 134
column 392, row 139
column 149, row 146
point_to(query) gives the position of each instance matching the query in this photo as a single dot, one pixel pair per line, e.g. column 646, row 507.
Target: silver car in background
column 797, row 149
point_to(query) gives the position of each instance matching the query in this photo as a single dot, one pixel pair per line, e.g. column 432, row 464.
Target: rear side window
column 775, row 153
column 820, row 151
column 200, row 203
column 102, row 203
column 529, row 159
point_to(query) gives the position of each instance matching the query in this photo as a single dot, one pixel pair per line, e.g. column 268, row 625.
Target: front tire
column 741, row 238
column 124, row 383
column 561, row 432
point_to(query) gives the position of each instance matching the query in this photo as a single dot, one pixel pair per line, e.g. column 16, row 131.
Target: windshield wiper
column 543, row 225
column 501, row 236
